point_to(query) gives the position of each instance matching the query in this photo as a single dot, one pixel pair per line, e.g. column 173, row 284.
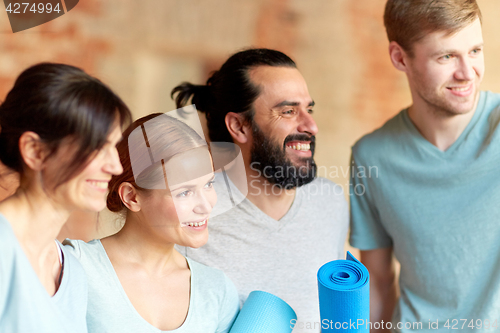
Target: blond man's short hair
column 408, row 21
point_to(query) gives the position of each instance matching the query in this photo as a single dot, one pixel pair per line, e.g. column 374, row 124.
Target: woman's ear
column 33, row 151
column 128, row 195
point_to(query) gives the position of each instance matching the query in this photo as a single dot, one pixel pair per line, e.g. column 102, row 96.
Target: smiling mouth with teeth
column 196, row 224
column 300, row 146
column 99, row 184
column 460, row 88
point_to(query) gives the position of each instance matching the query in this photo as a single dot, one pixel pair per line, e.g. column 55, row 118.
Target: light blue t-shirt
column 25, row 305
column 440, row 211
column 213, row 303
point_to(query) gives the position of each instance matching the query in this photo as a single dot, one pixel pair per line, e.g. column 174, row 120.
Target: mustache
column 299, row 137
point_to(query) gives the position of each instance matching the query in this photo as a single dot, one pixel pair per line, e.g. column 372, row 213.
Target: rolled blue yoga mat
column 344, row 296
column 264, row 313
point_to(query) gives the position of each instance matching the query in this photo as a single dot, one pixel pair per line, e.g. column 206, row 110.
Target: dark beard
column 271, row 161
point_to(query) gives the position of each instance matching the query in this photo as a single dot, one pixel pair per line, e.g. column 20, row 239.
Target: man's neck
column 439, row 128
column 271, row 199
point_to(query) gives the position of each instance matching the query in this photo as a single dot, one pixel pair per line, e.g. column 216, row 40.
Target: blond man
column 435, row 201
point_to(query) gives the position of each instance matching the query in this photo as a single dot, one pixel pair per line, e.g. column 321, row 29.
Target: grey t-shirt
column 280, row 257
column 213, row 304
column 25, row 305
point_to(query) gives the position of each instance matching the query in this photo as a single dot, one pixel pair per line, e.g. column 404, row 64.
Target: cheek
column 278, row 134
column 433, row 72
column 428, row 74
column 479, row 67
column 285, row 127
column 169, row 212
column 182, row 209
column 76, row 190
column 212, row 198
column 160, row 210
column 432, row 78
column 94, row 167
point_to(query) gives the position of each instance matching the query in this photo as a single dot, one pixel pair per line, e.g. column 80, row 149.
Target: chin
column 198, row 243
column 463, row 108
column 94, row 207
column 466, row 106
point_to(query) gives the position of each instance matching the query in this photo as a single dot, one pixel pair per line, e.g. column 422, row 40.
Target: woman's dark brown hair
column 57, row 102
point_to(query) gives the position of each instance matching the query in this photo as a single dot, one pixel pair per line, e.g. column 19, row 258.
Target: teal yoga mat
column 344, row 296
column 264, row 313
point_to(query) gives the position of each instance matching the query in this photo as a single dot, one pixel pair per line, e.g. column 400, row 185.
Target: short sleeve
column 230, row 307
column 73, row 247
column 366, row 229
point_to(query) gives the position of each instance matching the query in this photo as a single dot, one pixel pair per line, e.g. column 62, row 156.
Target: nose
column 113, row 165
column 205, row 202
column 465, row 70
column 307, row 123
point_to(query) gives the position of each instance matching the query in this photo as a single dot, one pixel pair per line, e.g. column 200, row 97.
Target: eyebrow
column 119, row 139
column 455, row 51
column 189, row 186
column 290, row 103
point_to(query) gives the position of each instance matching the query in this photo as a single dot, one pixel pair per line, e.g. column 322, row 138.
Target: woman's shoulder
column 8, row 244
column 93, row 259
column 6, row 231
column 79, row 248
column 205, row 271
column 88, row 253
column 212, row 280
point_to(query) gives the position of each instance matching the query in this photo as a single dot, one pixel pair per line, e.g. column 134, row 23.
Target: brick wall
column 142, row 49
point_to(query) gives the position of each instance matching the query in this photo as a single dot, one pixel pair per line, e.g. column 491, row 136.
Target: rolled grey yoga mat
column 344, row 296
column 264, row 313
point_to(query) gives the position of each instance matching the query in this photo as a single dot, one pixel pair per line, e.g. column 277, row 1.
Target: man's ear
column 33, row 151
column 128, row 195
column 399, row 57
column 239, row 129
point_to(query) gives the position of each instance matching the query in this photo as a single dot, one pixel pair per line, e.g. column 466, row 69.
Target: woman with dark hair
column 138, row 281
column 58, row 130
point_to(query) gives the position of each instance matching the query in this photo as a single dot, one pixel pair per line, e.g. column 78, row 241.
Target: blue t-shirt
column 440, row 211
column 213, row 303
column 25, row 305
